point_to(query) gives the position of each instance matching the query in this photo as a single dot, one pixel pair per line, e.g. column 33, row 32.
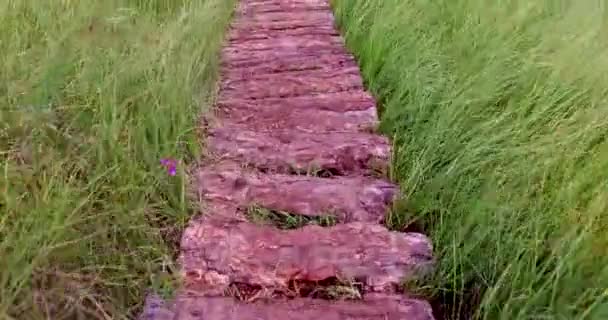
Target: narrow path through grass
column 92, row 95
column 499, row 113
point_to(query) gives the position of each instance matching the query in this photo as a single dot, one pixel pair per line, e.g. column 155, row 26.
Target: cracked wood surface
column 293, row 130
column 216, row 254
column 348, row 198
column 188, row 306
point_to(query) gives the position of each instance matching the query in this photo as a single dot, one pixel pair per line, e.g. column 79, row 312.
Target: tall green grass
column 92, row 95
column 499, row 114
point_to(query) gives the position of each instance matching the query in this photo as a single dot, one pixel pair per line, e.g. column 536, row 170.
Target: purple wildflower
column 170, row 165
column 172, row 171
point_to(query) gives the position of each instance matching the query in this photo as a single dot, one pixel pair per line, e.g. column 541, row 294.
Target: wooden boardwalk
column 293, row 131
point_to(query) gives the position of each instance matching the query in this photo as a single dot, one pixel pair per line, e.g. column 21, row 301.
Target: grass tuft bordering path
column 92, row 95
column 499, row 115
